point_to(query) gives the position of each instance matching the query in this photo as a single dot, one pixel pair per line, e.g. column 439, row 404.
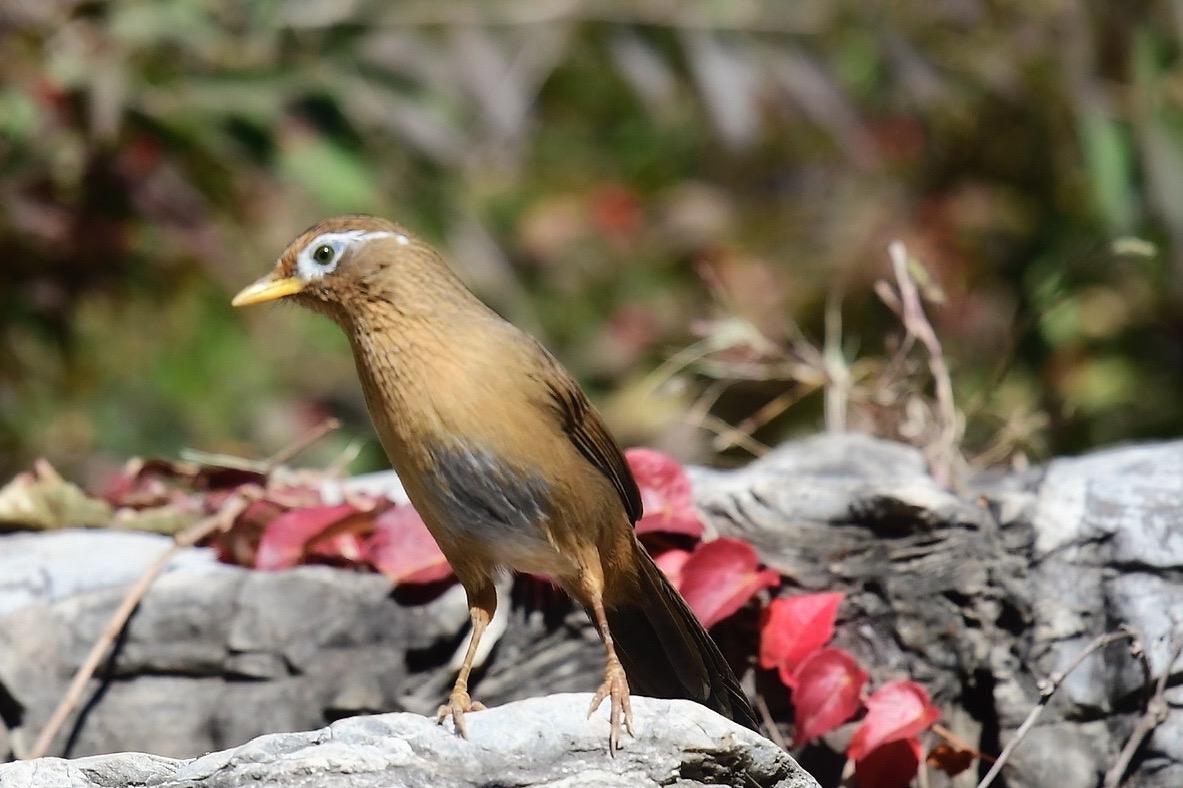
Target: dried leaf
column 291, row 537
column 43, row 500
column 950, row 760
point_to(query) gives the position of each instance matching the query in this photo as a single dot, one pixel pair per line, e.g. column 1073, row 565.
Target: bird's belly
column 478, row 500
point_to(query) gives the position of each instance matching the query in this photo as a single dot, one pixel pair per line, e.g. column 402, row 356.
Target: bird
column 504, row 457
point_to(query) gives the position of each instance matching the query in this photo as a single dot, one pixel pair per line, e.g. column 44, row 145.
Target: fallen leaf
column 826, row 688
column 897, row 710
column 891, row 765
column 240, row 543
column 950, row 760
column 43, row 500
column 719, row 577
column 404, row 550
column 665, row 494
column 671, row 563
column 291, row 537
column 791, row 628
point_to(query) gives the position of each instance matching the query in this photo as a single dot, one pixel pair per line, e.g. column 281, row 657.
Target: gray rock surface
column 978, row 595
column 216, row 654
column 539, row 742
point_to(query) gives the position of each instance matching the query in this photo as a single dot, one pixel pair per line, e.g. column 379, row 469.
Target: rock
column 541, row 741
column 983, row 595
column 225, row 654
column 979, row 596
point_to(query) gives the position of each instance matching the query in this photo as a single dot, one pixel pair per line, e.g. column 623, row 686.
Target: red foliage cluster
column 293, row 525
column 719, row 577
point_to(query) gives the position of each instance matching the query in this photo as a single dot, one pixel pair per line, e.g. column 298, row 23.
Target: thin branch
column 1155, row 714
column 837, row 397
column 300, row 444
column 762, row 416
column 769, row 723
column 917, row 325
column 222, row 519
column 746, row 442
column 268, row 465
column 1046, row 690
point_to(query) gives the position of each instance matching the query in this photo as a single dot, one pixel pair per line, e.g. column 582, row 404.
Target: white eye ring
column 313, row 264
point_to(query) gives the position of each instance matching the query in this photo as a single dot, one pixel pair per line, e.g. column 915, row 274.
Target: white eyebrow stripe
column 353, row 236
column 339, row 240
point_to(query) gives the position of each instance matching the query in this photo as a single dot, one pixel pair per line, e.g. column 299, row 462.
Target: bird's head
column 343, row 263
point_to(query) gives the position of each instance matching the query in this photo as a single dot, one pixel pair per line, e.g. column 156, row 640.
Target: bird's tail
column 665, row 651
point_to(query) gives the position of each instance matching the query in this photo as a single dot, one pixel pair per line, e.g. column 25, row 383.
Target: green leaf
column 334, row 176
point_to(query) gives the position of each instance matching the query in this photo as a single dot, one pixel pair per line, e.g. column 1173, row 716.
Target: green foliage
column 609, row 175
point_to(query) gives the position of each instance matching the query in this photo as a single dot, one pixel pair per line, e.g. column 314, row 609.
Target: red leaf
column 897, row 710
column 403, row 549
column 892, row 765
column 665, row 494
column 615, row 210
column 671, row 563
column 794, row 627
column 720, row 576
column 826, row 689
column 288, row 538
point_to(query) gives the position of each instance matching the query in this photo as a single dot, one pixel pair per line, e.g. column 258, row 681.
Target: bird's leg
column 615, row 685
column 482, row 604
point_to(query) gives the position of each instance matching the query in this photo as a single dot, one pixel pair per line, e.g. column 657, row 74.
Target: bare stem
column 1156, row 712
column 917, row 325
column 300, row 444
column 1047, row 690
column 233, row 506
column 769, row 722
column 837, row 371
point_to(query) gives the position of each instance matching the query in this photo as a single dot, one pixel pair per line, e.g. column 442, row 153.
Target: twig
column 1047, row 689
column 1156, row 712
column 956, row 741
column 269, row 464
column 916, row 324
column 769, row 723
column 300, row 444
column 746, row 442
column 837, row 394
column 225, row 516
column 766, row 413
column 337, row 467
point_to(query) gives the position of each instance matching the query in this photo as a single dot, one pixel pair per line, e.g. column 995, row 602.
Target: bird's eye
column 323, row 254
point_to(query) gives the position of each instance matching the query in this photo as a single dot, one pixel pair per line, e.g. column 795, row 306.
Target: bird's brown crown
column 349, row 263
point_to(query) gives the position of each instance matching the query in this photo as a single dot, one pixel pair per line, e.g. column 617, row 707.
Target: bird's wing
column 584, row 427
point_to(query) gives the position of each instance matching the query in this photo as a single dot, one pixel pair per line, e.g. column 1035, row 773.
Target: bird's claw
column 459, row 704
column 615, row 688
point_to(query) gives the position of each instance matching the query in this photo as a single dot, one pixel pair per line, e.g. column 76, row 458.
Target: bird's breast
column 477, row 498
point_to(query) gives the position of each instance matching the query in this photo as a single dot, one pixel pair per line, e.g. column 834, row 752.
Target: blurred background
column 689, row 202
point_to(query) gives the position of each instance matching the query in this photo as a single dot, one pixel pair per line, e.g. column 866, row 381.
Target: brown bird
column 503, row 456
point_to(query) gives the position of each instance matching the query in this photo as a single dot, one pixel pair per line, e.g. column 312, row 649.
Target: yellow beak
column 268, row 288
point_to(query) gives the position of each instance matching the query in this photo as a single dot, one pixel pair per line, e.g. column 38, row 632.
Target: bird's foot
column 615, row 688
column 457, row 706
